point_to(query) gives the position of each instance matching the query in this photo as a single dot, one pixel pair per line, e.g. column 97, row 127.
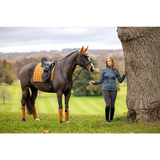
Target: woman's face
column 109, row 62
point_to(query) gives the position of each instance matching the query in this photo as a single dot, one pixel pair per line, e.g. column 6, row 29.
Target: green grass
column 47, row 103
column 11, row 123
column 86, row 115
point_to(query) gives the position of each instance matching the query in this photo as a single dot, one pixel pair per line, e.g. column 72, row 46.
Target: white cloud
column 22, row 39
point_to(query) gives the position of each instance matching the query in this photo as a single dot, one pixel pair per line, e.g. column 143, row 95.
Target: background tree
column 5, row 94
column 141, row 47
column 7, row 73
column 79, row 87
column 0, row 71
column 80, row 84
column 95, row 89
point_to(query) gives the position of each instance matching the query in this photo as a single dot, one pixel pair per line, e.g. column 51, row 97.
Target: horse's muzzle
column 91, row 68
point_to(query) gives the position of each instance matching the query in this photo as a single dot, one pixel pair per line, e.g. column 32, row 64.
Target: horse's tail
column 29, row 103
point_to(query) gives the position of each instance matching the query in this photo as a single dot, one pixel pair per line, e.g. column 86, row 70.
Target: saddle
column 47, row 69
column 43, row 72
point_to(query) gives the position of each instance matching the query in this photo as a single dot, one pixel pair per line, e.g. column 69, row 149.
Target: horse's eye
column 84, row 56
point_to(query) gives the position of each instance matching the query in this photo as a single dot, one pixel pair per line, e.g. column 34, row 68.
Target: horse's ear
column 85, row 49
column 81, row 50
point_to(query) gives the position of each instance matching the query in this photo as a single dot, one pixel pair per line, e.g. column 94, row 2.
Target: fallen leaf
column 46, row 131
column 131, row 132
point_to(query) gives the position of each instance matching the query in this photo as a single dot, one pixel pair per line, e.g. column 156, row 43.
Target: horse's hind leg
column 23, row 102
column 33, row 98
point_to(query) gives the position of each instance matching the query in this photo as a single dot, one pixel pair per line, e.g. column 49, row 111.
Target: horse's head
column 84, row 60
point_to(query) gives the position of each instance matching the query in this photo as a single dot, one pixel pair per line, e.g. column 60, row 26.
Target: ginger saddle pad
column 38, row 72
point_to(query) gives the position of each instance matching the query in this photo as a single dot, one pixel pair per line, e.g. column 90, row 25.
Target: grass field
column 47, row 102
column 79, row 123
column 86, row 115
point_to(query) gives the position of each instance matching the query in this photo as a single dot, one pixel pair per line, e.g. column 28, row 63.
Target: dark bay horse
column 62, row 82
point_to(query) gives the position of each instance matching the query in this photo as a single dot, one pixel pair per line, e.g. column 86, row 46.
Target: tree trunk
column 141, row 47
column 4, row 100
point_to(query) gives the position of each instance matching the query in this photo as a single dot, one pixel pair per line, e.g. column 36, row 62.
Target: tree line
column 9, row 73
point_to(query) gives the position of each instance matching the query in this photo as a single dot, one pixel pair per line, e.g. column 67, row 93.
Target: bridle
column 85, row 64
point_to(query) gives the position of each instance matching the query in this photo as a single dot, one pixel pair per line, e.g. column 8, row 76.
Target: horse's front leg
column 60, row 110
column 67, row 96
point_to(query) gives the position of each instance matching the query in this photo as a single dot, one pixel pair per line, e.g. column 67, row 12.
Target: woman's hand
column 91, row 82
column 124, row 71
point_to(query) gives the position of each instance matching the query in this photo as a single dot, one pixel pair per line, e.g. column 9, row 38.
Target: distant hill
column 116, row 52
column 64, row 52
column 18, row 55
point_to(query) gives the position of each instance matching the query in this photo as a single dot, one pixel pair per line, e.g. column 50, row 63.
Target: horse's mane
column 68, row 55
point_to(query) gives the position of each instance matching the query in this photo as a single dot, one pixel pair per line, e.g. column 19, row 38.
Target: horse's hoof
column 23, row 120
column 37, row 119
column 60, row 121
column 67, row 121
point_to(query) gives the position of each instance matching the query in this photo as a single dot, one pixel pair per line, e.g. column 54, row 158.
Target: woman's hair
column 113, row 63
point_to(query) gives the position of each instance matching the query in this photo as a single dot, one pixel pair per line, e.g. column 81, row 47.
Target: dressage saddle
column 47, row 69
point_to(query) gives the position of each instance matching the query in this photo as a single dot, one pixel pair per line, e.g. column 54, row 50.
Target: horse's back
column 26, row 73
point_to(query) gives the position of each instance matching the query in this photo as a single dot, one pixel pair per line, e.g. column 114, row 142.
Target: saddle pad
column 38, row 72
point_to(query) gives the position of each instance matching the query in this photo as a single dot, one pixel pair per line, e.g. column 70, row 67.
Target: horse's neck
column 69, row 66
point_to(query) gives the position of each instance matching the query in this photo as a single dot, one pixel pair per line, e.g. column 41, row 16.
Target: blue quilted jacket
column 108, row 78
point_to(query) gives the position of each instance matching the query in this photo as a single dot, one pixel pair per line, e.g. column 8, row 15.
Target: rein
column 78, row 78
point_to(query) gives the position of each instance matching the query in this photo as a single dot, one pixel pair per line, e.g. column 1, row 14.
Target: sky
column 26, row 39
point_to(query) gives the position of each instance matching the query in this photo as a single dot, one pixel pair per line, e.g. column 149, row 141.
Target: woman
column 108, row 77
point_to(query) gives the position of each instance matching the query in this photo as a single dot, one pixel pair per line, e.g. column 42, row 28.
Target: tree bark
column 141, row 47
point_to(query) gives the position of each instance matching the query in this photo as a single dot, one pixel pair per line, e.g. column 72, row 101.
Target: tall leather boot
column 111, row 114
column 107, row 113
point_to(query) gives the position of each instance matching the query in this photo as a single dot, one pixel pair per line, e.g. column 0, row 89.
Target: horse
column 62, row 82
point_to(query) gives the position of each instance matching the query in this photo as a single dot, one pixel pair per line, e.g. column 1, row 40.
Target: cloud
column 60, row 37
